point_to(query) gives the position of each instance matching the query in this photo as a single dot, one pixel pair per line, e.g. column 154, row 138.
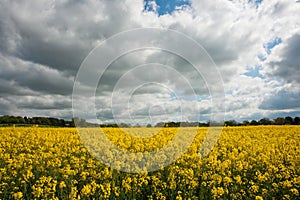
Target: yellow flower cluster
column 260, row 162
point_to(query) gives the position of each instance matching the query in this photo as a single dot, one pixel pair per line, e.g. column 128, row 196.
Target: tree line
column 44, row 121
column 54, row 122
column 266, row 121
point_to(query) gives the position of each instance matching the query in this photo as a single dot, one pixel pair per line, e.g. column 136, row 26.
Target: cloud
column 32, row 77
column 55, row 35
column 10, row 87
column 286, row 65
column 7, row 108
column 44, row 102
column 281, row 100
column 43, row 43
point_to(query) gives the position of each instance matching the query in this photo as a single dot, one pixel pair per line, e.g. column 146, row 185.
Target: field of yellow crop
column 246, row 163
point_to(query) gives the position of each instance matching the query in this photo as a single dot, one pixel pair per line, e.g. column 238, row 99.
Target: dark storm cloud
column 8, row 35
column 18, row 75
column 45, row 82
column 105, row 115
column 10, row 87
column 281, row 101
column 6, row 107
column 42, row 103
column 39, row 42
column 57, row 55
column 54, row 34
column 288, row 68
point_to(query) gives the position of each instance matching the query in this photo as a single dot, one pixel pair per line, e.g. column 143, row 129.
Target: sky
column 253, row 45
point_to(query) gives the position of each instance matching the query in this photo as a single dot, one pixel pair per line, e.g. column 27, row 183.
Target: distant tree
column 288, row 120
column 124, row 125
column 246, row 123
column 20, row 120
column 62, row 123
column 45, row 121
column 72, row 123
column 193, row 124
column 296, row 121
column 231, row 123
column 265, row 121
column 160, row 124
column 8, row 119
column 185, row 124
column 26, row 120
column 254, row 123
column 172, row 124
column 149, row 125
column 79, row 122
column 202, row 124
column 215, row 123
column 279, row 121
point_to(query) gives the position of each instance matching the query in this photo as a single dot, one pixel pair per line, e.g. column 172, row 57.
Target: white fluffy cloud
column 43, row 43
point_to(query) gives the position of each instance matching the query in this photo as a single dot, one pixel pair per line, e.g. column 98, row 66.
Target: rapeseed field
column 261, row 162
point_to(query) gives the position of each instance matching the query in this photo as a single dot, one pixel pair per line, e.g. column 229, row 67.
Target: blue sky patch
column 165, row 6
column 254, row 72
column 270, row 45
column 261, row 57
column 255, row 2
